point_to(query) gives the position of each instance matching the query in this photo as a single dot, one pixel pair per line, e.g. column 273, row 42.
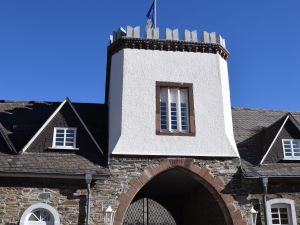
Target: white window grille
column 174, row 109
column 40, row 214
column 291, row 148
column 280, row 214
column 281, row 211
column 64, row 137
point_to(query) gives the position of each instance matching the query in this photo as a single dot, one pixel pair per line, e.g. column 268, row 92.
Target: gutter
column 49, row 175
column 265, row 182
column 261, row 176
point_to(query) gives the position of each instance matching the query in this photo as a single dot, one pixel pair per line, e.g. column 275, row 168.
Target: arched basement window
column 146, row 211
column 281, row 211
column 40, row 214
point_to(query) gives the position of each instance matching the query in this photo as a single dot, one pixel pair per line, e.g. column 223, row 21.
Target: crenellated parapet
column 171, row 41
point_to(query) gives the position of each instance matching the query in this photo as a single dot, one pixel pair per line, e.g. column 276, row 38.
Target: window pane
column 173, row 116
column 60, row 131
column 274, row 210
column 59, row 143
column 184, row 95
column 70, row 132
column 184, row 116
column 173, row 95
column 163, row 115
column 163, row 127
column 164, row 95
column 70, row 135
column 69, row 144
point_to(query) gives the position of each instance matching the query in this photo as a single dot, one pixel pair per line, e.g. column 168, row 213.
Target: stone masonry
column 68, row 197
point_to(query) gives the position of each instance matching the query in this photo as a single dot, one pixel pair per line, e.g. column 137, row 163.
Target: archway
column 189, row 192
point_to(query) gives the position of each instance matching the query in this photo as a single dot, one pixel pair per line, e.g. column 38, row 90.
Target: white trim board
column 52, row 116
column 269, row 149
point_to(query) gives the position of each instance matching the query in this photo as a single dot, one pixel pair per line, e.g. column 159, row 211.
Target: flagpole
column 154, row 13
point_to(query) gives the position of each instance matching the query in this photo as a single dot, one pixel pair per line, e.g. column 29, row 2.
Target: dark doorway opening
column 176, row 197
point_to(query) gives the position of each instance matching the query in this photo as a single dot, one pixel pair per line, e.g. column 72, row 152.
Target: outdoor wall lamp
column 252, row 216
column 109, row 215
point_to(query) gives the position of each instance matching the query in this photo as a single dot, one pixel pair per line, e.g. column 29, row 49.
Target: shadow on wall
column 115, row 100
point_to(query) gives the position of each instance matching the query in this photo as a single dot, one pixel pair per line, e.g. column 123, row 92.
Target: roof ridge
column 49, row 102
column 262, row 109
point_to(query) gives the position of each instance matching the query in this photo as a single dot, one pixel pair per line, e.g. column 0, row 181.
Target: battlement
column 132, row 38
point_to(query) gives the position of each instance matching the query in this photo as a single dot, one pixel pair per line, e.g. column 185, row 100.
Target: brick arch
column 212, row 183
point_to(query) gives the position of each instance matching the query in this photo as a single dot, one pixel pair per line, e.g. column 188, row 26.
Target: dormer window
column 64, row 137
column 174, row 109
column 291, row 148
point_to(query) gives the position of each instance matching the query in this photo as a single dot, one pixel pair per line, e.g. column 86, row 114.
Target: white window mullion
column 173, row 110
column 184, row 107
column 169, row 111
column 65, row 136
column 179, row 127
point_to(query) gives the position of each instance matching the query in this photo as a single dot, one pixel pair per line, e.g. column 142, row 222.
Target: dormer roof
column 22, row 121
column 259, row 134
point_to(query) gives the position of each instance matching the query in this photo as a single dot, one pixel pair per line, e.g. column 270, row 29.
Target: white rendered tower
column 169, row 97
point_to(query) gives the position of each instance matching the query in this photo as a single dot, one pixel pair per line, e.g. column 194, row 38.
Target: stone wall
column 68, row 197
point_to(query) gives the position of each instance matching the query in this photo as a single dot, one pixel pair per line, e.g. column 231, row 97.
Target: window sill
column 291, row 159
column 63, row 148
column 168, row 133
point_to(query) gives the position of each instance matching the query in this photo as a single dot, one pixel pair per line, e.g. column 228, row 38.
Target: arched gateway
column 185, row 192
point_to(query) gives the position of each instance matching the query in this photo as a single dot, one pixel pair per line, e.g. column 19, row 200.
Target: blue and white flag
column 150, row 14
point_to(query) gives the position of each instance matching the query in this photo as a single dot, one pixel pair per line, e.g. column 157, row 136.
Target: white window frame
column 28, row 211
column 290, row 204
column 178, row 111
column 64, row 146
column 293, row 157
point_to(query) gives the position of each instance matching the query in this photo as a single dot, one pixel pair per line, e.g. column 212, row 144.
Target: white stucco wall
column 132, row 103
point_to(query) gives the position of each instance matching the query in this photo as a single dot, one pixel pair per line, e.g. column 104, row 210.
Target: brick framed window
column 175, row 109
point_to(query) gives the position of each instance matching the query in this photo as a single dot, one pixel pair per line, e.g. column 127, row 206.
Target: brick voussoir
column 135, row 182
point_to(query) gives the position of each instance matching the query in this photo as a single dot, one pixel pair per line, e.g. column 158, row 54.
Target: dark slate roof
column 254, row 130
column 50, row 163
column 21, row 120
column 272, row 170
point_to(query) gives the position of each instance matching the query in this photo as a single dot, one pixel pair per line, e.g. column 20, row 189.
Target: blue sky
column 51, row 49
